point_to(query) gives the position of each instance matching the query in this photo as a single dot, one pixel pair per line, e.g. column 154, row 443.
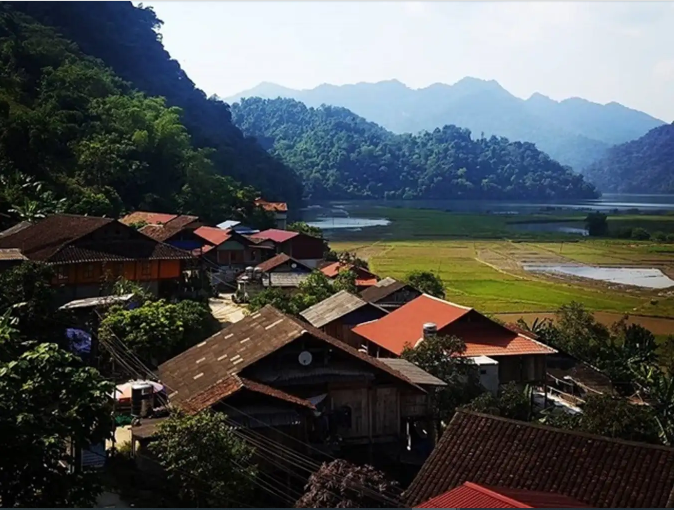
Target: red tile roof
column 213, row 235
column 483, row 337
column 151, row 218
column 364, row 278
column 472, row 495
column 234, row 384
column 498, row 452
column 278, row 260
column 276, row 235
column 272, row 206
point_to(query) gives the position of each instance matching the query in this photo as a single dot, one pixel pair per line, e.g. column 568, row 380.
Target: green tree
column 304, row 228
column 157, row 330
column 340, row 484
column 426, row 282
column 48, row 400
column 206, row 462
column 316, row 288
column 640, row 234
column 511, row 402
column 274, row 297
column 610, row 417
column 345, row 280
column 442, row 356
column 597, row 224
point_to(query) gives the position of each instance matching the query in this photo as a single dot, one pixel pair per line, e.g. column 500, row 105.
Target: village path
column 225, row 310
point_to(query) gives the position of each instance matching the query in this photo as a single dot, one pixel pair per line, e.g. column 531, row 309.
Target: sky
column 600, row 51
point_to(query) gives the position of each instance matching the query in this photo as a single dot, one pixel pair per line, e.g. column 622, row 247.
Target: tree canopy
column 75, row 137
column 340, row 155
column 426, row 282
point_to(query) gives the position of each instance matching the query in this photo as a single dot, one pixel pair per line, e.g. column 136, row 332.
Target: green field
column 476, row 257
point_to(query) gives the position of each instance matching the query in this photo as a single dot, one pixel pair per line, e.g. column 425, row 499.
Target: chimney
column 430, row 328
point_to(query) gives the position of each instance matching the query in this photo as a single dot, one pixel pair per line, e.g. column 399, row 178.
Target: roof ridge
column 496, row 495
column 563, row 431
column 447, row 302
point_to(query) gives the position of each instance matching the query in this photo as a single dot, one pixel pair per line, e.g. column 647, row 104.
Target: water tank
column 141, row 399
column 249, row 270
column 430, row 328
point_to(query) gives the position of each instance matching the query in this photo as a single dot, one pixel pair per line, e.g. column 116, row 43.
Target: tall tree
column 426, row 282
column 48, row 402
column 206, row 463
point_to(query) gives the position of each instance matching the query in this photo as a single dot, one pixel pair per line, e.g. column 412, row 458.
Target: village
column 349, row 376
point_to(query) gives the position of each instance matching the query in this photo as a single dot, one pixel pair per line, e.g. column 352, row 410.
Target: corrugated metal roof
column 280, row 259
column 413, row 372
column 95, row 301
column 213, row 235
column 276, row 235
column 284, row 279
column 151, row 218
column 472, row 495
column 384, row 288
column 330, row 309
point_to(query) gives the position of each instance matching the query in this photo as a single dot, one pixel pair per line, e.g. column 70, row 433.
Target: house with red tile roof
column 519, row 456
column 87, row 251
column 307, row 249
column 519, row 357
column 473, row 495
column 278, row 209
column 364, row 278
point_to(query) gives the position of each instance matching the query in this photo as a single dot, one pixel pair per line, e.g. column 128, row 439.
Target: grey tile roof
column 328, row 310
column 414, row 373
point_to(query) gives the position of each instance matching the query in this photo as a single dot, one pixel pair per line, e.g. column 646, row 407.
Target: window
column 62, row 273
column 88, row 272
column 483, row 371
column 145, row 269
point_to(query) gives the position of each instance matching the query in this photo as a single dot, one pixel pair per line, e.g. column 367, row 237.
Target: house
column 498, row 452
column 237, row 227
column 518, row 357
column 10, row 257
column 278, row 209
column 305, row 248
column 389, row 294
column 340, row 313
column 324, row 392
column 364, row 278
column 86, row 251
column 281, row 272
column 473, row 495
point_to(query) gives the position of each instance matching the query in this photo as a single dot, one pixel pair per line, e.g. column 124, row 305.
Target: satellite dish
column 305, row 358
column 293, row 265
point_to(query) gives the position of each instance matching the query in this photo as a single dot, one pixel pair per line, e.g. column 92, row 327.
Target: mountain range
column 575, row 132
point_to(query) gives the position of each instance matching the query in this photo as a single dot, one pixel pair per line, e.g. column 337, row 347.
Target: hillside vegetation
column 645, row 165
column 575, row 131
column 341, row 155
column 127, row 40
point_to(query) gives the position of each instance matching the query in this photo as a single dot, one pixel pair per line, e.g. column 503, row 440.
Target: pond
column 351, row 223
column 646, row 278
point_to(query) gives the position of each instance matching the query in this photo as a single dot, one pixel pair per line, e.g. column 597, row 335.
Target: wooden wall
column 95, row 272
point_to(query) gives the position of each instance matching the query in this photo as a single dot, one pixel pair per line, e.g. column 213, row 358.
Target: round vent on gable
column 305, row 358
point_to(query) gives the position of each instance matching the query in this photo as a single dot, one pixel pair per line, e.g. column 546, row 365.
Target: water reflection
column 646, row 278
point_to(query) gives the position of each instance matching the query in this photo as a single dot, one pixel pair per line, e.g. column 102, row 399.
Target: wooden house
column 307, row 249
column 340, row 313
column 389, row 294
column 86, row 251
column 519, row 357
column 323, row 391
column 280, row 272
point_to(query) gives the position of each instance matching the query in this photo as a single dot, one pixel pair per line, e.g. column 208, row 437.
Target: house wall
column 304, row 247
column 96, row 272
column 521, row 369
column 233, row 253
column 399, row 298
column 341, row 328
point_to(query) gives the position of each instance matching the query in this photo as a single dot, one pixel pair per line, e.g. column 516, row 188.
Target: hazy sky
column 602, row 51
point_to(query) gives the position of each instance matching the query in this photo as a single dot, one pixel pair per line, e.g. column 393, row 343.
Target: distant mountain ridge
column 339, row 155
column 574, row 131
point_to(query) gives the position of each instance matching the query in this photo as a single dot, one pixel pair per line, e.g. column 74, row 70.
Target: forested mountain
column 127, row 39
column 574, row 131
column 341, row 155
column 645, row 165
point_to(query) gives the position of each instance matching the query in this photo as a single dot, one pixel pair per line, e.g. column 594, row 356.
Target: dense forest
column 575, row 131
column 341, row 155
column 645, row 165
column 94, row 110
